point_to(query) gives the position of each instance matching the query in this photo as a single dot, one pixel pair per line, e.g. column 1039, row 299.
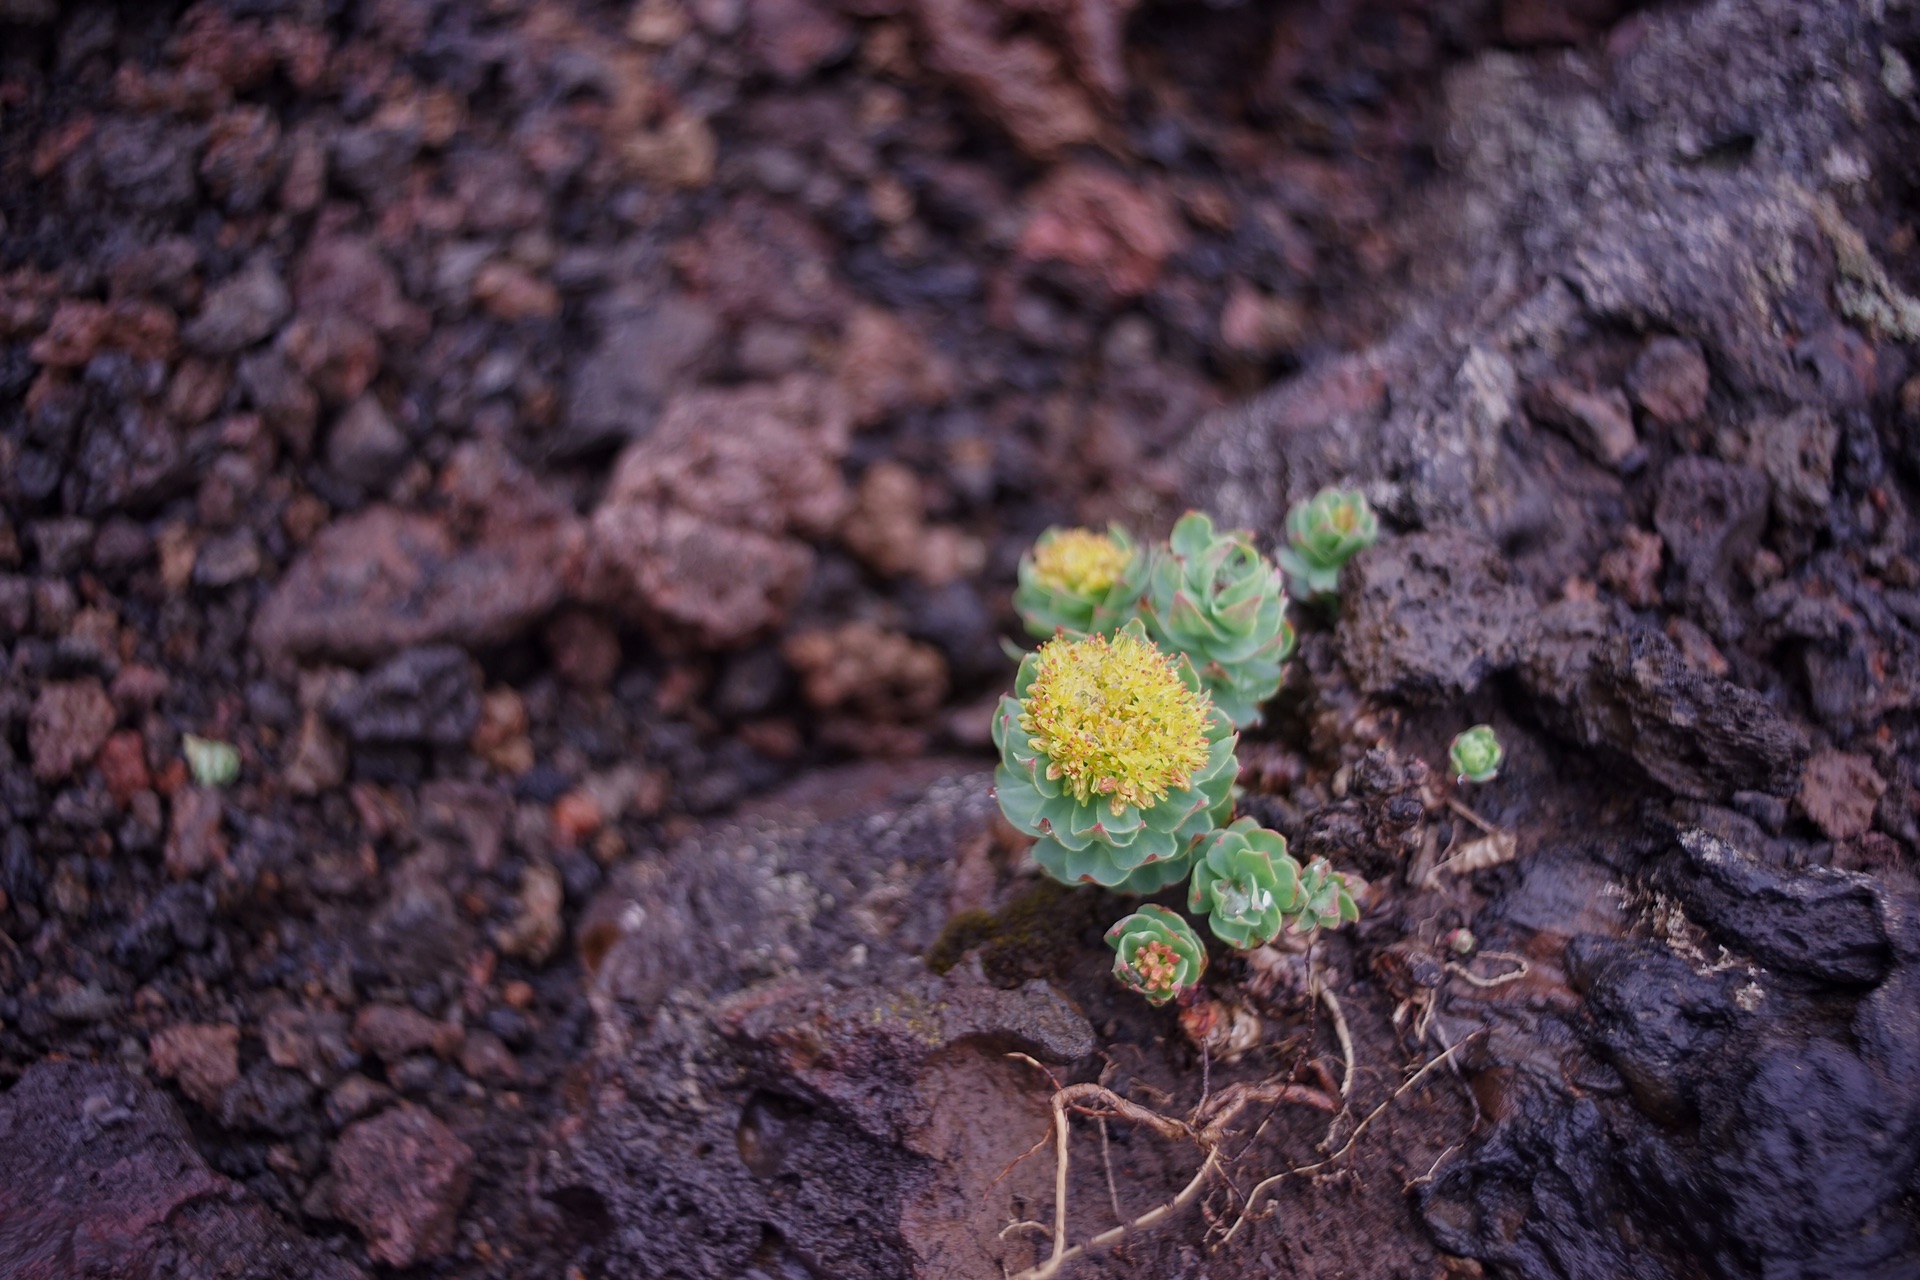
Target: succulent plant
column 1080, row 582
column 1113, row 755
column 1324, row 901
column 1245, row 882
column 212, row 763
column 1250, row 887
column 1323, row 533
column 1214, row 598
column 1156, row 953
column 1476, row 754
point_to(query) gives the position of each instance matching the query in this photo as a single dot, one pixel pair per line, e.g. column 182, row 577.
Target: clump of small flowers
column 1476, row 754
column 1113, row 755
column 1080, row 582
column 1117, row 742
column 1156, row 953
column 212, row 763
column 1216, row 599
column 1324, row 533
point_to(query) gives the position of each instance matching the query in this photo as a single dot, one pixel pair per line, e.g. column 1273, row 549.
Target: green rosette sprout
column 1324, row 901
column 1214, row 598
column 1476, row 754
column 1113, row 755
column 1245, row 882
column 212, row 763
column 1156, row 953
column 1080, row 582
column 1322, row 535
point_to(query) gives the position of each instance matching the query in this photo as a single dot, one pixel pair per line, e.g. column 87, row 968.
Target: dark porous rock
column 1815, row 921
column 1651, row 1015
column 240, row 311
column 430, row 694
column 643, row 354
column 364, row 448
column 1710, row 514
column 99, row 1177
column 1600, row 680
column 1429, row 616
column 400, row 1178
column 69, row 723
column 770, row 1048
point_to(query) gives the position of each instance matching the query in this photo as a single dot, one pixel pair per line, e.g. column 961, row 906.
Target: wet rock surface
column 102, row 1178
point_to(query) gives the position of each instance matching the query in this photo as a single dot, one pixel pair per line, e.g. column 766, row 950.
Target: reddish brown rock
column 512, row 293
column 123, row 766
column 195, row 842
column 1633, row 567
column 73, row 335
column 400, row 1179
column 203, row 1060
column 1014, row 77
column 792, row 38
column 1670, row 381
column 585, row 650
column 697, row 536
column 1600, row 422
column 70, row 721
column 391, row 1032
column 1109, row 229
column 886, row 366
column 385, row 580
column 874, row 674
column 1839, row 792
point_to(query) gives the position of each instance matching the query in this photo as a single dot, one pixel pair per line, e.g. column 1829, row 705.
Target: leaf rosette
column 1216, row 599
column 1156, row 953
column 1476, row 754
column 1244, row 882
column 1324, row 533
column 1113, row 755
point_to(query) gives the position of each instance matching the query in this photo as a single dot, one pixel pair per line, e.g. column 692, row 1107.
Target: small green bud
column 213, row 763
column 1476, row 754
column 1156, row 953
column 1324, row 901
column 1462, row 942
column 1322, row 535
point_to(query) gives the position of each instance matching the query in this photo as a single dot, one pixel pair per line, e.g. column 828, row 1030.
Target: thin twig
column 1478, row 821
column 1253, row 1199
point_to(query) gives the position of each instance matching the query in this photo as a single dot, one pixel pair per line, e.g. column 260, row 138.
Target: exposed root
column 1263, row 1188
column 1339, row 1029
column 1518, row 972
column 1208, row 1127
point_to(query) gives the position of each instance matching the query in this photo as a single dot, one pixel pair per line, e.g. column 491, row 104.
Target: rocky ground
column 578, row 453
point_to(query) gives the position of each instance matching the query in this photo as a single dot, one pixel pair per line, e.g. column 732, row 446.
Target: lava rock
column 1819, row 922
column 430, row 694
column 400, row 1179
column 100, row 1176
column 240, row 311
column 1427, row 617
column 1600, row 681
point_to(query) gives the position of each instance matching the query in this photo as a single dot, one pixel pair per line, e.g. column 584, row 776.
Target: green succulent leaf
column 1323, row 533
column 1476, row 754
column 1213, row 597
column 1156, row 953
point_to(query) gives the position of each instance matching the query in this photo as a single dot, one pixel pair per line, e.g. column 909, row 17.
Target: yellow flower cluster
column 1115, row 720
column 1080, row 561
column 1157, row 966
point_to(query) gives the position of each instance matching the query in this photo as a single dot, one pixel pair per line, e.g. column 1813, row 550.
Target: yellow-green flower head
column 1080, row 582
column 1081, row 561
column 1115, row 720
